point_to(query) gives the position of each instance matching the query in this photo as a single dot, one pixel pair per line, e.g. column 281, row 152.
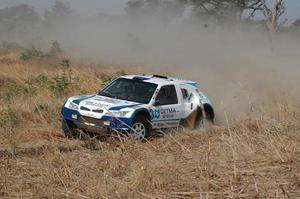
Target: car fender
column 143, row 111
column 207, row 107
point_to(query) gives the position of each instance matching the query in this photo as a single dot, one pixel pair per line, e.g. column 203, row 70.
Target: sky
column 89, row 7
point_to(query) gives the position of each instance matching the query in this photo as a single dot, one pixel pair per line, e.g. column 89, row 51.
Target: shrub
column 62, row 82
column 13, row 89
column 55, row 49
column 42, row 80
column 32, row 53
column 11, row 45
column 8, row 118
column 10, row 90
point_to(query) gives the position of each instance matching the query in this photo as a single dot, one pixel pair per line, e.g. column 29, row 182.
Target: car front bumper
column 105, row 122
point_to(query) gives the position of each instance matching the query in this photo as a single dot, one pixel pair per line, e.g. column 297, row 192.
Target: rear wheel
column 209, row 113
column 140, row 128
column 199, row 121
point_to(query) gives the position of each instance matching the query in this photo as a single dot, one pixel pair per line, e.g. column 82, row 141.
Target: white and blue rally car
column 137, row 104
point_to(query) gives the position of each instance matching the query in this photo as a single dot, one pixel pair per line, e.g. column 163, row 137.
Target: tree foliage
column 218, row 11
column 17, row 19
column 58, row 13
column 149, row 9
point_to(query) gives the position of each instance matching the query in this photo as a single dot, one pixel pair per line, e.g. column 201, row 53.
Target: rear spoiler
column 193, row 83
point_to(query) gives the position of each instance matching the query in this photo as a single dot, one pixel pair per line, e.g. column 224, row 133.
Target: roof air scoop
column 139, row 78
column 160, row 76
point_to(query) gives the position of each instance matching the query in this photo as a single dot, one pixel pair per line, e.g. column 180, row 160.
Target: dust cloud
column 240, row 67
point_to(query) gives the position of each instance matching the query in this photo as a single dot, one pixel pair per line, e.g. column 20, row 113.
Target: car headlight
column 73, row 106
column 118, row 113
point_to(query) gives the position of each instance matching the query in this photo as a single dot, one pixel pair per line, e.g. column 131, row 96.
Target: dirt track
column 255, row 155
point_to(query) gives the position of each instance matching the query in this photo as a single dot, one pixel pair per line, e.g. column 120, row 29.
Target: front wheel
column 140, row 128
column 69, row 129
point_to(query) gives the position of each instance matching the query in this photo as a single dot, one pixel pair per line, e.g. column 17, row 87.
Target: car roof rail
column 160, row 76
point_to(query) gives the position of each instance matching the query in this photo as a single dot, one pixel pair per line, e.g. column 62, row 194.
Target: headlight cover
column 118, row 113
column 73, row 106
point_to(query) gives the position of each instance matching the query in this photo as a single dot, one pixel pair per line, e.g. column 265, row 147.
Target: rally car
column 138, row 104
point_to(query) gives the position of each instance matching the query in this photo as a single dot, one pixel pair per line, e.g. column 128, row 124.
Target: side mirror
column 156, row 102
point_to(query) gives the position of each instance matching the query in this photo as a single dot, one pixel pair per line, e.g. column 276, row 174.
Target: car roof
column 160, row 80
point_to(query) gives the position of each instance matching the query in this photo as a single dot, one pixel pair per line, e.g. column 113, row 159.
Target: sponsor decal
column 108, row 100
column 164, row 113
column 90, row 103
column 168, row 113
column 155, row 113
column 168, row 110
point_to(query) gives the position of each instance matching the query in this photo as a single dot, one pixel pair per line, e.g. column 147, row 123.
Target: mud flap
column 193, row 120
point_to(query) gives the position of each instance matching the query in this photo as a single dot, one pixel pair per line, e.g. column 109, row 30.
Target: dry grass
column 254, row 157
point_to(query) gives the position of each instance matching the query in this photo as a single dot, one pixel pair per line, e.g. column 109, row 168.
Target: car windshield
column 130, row 90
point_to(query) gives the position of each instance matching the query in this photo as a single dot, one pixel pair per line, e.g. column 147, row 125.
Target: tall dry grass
column 257, row 156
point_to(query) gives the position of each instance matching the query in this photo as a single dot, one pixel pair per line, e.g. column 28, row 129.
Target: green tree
column 59, row 12
column 165, row 10
column 17, row 20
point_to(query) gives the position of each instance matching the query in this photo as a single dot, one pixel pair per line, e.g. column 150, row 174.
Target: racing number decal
column 155, row 113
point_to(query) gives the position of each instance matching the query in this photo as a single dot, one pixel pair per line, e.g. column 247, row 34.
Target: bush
column 13, row 89
column 8, row 118
column 10, row 89
column 62, row 82
column 32, row 53
column 11, row 46
column 42, row 80
column 55, row 49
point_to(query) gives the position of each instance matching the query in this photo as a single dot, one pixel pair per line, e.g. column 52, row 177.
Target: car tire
column 69, row 129
column 141, row 128
column 199, row 119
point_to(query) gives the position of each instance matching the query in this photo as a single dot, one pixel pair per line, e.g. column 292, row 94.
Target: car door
column 166, row 111
column 189, row 102
column 190, row 106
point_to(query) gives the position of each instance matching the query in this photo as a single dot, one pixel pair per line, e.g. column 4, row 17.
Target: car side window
column 185, row 94
column 167, row 95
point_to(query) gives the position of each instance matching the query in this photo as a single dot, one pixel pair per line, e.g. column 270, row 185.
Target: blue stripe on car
column 192, row 83
column 139, row 111
column 117, row 108
column 77, row 101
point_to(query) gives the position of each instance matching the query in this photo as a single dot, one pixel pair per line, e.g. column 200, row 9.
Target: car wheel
column 140, row 128
column 69, row 129
column 200, row 120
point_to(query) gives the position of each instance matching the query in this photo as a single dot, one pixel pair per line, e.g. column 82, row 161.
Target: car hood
column 97, row 102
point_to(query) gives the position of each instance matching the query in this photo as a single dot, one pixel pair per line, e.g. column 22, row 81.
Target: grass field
column 257, row 156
